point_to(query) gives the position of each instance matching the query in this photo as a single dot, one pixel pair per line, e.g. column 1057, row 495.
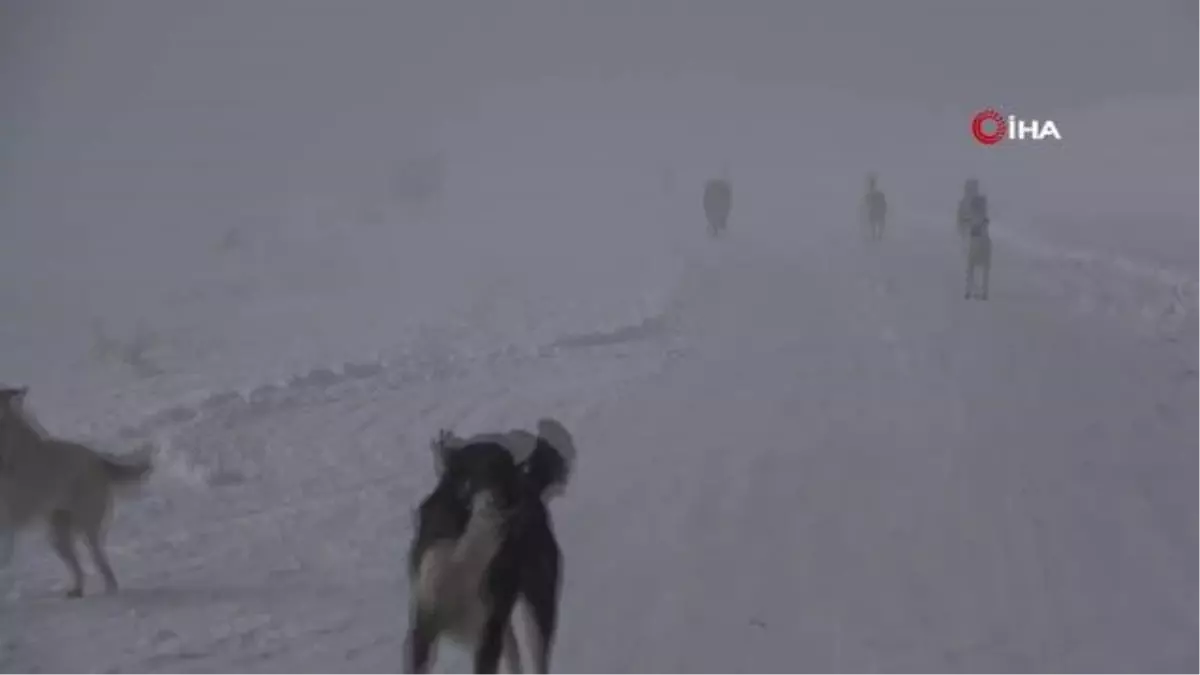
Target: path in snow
column 885, row 477
column 849, row 468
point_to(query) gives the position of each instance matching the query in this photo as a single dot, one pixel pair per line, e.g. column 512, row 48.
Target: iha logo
column 989, row 127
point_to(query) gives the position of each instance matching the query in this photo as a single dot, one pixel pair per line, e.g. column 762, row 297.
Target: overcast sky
column 107, row 99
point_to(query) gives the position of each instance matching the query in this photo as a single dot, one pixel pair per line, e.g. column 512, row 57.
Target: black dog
column 484, row 540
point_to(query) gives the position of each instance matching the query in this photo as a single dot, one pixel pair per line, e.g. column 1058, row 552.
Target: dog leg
column 63, row 544
column 491, row 642
column 539, row 643
column 970, row 280
column 542, row 599
column 94, row 539
column 418, row 646
column 987, row 271
column 512, row 650
column 545, row 620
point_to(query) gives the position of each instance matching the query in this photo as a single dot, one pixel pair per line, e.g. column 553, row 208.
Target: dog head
column 12, row 416
column 557, row 435
column 11, row 397
column 476, row 470
column 550, row 471
column 12, row 405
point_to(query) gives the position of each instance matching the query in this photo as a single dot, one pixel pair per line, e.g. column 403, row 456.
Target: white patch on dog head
column 519, row 442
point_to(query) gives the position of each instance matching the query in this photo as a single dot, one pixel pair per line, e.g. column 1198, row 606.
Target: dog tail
column 128, row 470
column 549, row 465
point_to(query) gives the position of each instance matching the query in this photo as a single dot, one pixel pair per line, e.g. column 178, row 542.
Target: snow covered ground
column 813, row 455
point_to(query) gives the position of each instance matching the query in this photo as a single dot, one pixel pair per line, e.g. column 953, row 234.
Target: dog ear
column 441, row 447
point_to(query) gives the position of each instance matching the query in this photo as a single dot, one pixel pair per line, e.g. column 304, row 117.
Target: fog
column 172, row 118
column 199, row 198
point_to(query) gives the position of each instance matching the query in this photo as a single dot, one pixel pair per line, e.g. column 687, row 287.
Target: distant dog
column 483, row 540
column 969, row 208
column 718, row 202
column 974, row 221
column 874, row 209
column 68, row 483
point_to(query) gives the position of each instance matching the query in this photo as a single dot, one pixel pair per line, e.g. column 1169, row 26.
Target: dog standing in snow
column 874, row 210
column 718, row 202
column 967, row 209
column 979, row 244
column 483, row 541
column 69, row 484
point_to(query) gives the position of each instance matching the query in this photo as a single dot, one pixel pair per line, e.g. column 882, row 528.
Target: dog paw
column 75, row 593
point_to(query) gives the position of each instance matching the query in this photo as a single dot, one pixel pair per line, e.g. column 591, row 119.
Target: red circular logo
column 988, row 127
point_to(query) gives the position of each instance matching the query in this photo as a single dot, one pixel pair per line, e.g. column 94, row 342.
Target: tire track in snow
column 725, row 509
column 911, row 482
column 1055, row 425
